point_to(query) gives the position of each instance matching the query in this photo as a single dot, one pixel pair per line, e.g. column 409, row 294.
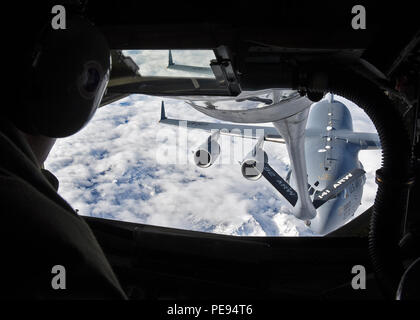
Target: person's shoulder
column 21, row 200
column 41, row 233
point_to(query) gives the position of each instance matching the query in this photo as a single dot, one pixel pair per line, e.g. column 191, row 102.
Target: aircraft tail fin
column 280, row 184
column 162, row 112
column 335, row 188
column 170, row 59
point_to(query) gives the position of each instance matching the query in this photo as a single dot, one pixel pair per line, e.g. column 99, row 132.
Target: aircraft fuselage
column 330, row 156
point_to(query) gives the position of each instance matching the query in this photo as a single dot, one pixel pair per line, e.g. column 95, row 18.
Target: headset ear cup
column 67, row 79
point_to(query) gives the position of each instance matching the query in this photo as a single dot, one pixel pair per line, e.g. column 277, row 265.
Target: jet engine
column 253, row 164
column 207, row 153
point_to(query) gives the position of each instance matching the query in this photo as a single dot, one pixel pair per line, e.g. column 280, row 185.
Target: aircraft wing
column 280, row 184
column 366, row 140
column 244, row 131
column 206, row 71
column 335, row 188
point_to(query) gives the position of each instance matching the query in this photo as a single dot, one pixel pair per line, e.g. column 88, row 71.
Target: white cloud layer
column 109, row 170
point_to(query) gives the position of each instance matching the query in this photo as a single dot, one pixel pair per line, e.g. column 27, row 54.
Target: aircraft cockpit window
column 173, row 63
column 170, row 73
column 168, row 162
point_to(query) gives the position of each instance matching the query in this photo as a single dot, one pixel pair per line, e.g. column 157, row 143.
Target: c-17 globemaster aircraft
column 335, row 176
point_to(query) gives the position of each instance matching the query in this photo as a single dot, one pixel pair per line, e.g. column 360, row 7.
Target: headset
column 64, row 79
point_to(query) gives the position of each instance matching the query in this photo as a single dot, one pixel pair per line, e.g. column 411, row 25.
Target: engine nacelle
column 253, row 164
column 207, row 153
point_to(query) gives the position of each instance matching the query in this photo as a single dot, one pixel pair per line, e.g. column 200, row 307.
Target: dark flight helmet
column 66, row 77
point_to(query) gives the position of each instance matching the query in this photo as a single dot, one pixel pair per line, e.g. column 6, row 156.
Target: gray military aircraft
column 335, row 176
